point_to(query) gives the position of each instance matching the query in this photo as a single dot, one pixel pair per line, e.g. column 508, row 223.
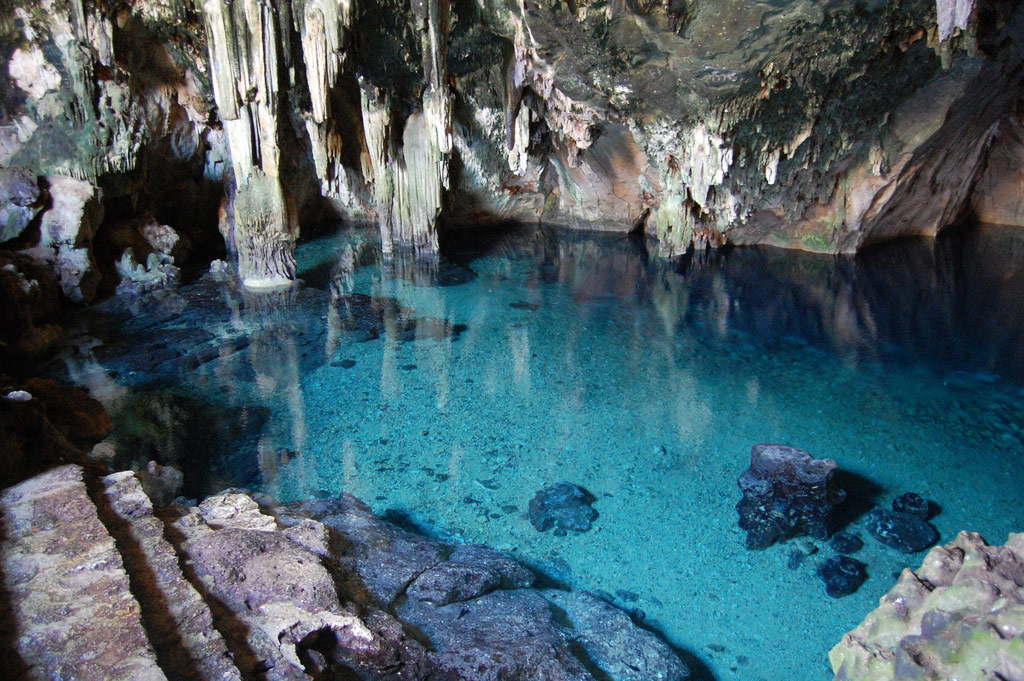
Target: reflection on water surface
column 447, row 394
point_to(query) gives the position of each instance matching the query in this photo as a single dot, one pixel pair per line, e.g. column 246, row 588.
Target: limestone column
column 243, row 43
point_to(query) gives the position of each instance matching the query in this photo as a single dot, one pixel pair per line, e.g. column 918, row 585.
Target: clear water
column 646, row 382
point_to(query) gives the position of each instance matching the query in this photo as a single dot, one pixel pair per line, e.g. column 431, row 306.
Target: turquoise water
column 555, row 356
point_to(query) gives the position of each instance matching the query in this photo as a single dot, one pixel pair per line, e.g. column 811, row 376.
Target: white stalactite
column 243, row 46
column 953, row 14
column 409, row 180
column 324, row 26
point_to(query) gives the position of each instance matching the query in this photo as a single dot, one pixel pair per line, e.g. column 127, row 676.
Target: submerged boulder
column 913, row 503
column 846, row 543
column 841, row 575
column 785, row 492
column 959, row 616
column 563, row 506
column 906, row 532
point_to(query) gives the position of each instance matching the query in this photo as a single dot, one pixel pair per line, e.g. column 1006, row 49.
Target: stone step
column 72, row 613
column 178, row 620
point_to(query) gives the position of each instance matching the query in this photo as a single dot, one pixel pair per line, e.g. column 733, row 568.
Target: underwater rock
column 563, row 506
column 470, row 572
column 913, row 503
column 958, row 616
column 475, row 607
column 842, row 575
column 385, row 558
column 620, row 649
column 903, row 531
column 785, row 492
column 846, row 543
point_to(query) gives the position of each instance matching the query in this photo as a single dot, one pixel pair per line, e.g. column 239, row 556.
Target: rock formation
column 786, row 492
column 102, row 586
column 959, row 616
column 795, row 126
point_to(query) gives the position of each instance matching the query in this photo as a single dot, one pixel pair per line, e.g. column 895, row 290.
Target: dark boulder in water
column 906, row 532
column 841, row 575
column 786, row 492
column 913, row 503
column 563, row 506
column 845, row 543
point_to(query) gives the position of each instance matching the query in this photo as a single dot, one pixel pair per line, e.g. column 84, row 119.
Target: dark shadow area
column 462, row 244
column 699, row 670
column 861, row 497
column 948, row 304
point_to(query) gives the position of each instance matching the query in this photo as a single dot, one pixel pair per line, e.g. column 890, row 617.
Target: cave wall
column 818, row 126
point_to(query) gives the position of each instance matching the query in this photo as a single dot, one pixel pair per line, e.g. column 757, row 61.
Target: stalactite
column 953, row 14
column 571, row 121
column 376, row 112
column 693, row 164
column 243, row 46
column 324, row 26
column 409, row 181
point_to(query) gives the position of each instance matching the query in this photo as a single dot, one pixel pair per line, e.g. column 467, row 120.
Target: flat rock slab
column 76, row 617
column 177, row 616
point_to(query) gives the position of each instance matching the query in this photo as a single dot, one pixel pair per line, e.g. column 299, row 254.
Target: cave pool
column 546, row 355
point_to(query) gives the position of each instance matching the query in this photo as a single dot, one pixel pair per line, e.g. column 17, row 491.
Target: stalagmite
column 264, row 232
column 243, row 43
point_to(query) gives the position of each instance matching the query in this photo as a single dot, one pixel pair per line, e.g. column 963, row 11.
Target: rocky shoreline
column 311, row 590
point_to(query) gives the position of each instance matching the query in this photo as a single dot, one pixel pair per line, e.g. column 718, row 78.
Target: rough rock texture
column 563, row 506
column 225, row 591
column 824, row 128
column 30, row 295
column 841, row 575
column 73, row 613
column 906, row 532
column 176, row 618
column 786, row 491
column 959, row 616
column 476, row 607
column 20, row 201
